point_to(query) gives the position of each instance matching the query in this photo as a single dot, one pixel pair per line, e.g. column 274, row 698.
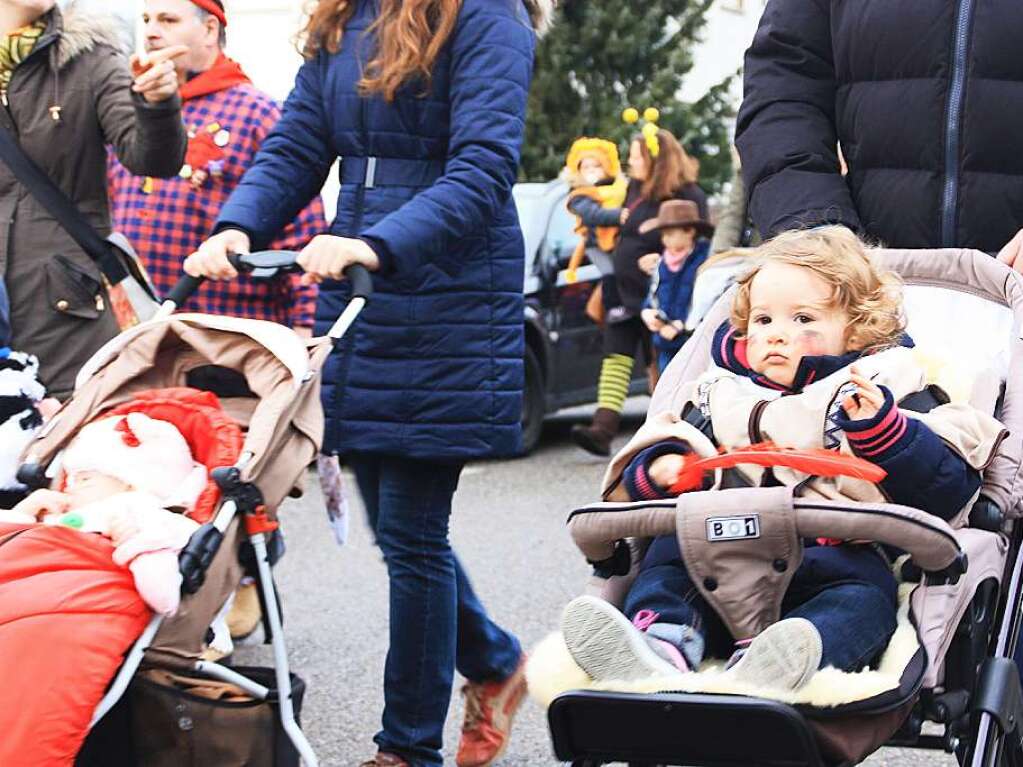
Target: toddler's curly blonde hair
column 872, row 297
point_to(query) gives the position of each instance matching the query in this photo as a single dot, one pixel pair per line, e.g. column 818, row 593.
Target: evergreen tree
column 602, row 56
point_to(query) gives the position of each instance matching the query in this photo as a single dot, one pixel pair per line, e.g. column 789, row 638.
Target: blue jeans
column 847, row 592
column 437, row 624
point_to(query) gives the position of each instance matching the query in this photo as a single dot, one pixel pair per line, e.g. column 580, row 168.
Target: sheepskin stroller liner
column 965, row 625
column 267, row 381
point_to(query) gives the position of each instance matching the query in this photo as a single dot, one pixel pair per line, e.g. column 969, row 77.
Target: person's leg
column 485, row 652
column 850, row 596
column 612, row 389
column 664, row 626
column 409, row 504
column 492, row 661
column 839, row 610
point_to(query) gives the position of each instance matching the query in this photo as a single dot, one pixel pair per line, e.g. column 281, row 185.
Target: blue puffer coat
column 433, row 368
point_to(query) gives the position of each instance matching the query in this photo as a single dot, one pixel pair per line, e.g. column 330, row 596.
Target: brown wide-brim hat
column 677, row 213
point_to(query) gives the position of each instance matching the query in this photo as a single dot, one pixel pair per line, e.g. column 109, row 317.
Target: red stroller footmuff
column 68, row 615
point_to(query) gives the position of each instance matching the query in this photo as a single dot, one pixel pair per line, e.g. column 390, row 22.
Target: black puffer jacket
column 925, row 97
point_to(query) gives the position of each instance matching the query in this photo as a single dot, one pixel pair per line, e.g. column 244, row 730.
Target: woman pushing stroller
column 814, row 356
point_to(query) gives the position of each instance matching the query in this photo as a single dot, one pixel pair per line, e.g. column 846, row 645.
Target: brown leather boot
column 596, row 438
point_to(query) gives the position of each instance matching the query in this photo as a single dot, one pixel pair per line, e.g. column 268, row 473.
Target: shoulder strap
column 60, row 207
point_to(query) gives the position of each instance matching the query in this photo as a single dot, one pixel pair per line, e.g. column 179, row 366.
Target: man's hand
column 43, row 503
column 155, row 76
column 651, row 320
column 327, row 256
column 623, row 216
column 649, row 262
column 210, row 260
column 1012, row 253
column 867, row 401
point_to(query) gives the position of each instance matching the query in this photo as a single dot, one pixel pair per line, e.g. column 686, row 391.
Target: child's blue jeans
column 847, row 592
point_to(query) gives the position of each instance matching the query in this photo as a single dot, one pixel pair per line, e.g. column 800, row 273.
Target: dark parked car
column 564, row 348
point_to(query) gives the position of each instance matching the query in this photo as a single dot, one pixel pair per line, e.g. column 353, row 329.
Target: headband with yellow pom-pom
column 650, row 117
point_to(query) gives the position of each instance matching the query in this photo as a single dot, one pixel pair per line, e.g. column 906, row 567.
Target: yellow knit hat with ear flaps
column 604, row 151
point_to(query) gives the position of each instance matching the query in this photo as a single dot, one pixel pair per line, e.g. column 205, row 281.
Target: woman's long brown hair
column 410, row 34
column 669, row 171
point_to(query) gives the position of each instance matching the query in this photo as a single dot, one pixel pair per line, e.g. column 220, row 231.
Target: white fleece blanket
column 551, row 671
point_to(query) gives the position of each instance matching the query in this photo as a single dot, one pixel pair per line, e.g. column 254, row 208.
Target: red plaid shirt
column 167, row 219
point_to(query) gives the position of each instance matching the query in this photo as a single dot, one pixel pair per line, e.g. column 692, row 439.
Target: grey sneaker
column 607, row 646
column 784, row 656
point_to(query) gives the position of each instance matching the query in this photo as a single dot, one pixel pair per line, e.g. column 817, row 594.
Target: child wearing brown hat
column 685, row 239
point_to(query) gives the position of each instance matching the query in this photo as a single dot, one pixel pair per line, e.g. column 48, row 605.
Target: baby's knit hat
column 148, row 454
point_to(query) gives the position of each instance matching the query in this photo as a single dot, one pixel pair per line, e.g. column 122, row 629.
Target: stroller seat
column 182, row 368
column 950, row 658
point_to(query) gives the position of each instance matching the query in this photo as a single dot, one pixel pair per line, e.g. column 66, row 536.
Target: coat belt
column 390, row 171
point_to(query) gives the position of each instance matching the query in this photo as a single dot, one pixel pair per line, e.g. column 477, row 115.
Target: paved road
column 508, row 527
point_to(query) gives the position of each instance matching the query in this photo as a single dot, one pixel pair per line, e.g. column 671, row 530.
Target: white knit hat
column 148, row 454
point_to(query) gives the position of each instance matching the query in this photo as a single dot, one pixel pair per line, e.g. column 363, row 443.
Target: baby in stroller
column 123, row 475
column 813, row 307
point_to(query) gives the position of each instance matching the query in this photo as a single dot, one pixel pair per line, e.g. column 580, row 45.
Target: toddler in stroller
column 812, row 309
column 122, row 478
column 741, row 544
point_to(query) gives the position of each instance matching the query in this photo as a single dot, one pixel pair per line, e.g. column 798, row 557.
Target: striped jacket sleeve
column 923, row 471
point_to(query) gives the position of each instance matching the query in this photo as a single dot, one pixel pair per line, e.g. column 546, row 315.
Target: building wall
column 730, row 27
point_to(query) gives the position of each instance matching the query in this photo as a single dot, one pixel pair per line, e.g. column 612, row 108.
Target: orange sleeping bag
column 68, row 615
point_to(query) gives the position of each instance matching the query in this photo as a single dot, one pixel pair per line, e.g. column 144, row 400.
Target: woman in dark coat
column 670, row 174
column 67, row 95
column 424, row 101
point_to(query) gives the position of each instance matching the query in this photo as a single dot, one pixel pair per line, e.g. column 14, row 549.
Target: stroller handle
column 267, row 264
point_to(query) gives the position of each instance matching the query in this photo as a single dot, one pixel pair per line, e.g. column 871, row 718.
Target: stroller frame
column 241, row 503
column 980, row 704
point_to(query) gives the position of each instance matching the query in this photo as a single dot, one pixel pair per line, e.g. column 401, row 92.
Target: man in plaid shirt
column 227, row 119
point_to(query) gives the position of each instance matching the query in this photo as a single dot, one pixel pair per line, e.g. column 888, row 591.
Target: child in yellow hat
column 594, row 173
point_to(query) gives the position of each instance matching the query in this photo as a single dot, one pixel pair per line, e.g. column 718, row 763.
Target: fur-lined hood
column 541, row 13
column 78, row 33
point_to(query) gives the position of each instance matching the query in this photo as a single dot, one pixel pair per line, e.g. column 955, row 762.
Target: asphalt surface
column 508, row 527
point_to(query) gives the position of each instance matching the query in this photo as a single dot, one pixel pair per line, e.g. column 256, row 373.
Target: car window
column 561, row 239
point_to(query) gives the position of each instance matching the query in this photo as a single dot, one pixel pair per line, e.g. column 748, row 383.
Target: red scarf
column 224, row 74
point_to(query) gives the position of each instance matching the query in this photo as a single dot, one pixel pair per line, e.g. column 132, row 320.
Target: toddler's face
column 591, row 171
column 85, row 487
column 678, row 238
column 791, row 317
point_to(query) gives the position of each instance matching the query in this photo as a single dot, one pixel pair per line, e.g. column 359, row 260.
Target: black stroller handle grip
column 186, row 285
column 269, row 263
column 362, row 282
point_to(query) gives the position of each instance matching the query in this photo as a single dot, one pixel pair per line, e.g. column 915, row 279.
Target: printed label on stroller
column 733, row 528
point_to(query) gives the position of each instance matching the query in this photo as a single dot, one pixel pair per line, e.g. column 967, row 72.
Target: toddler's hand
column 649, row 262
column 43, row 503
column 868, row 399
column 665, row 470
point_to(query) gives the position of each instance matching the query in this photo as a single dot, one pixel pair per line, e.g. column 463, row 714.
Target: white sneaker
column 606, row 645
column 784, row 656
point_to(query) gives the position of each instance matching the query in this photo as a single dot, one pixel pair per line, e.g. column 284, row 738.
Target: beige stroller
column 267, row 380
column 951, row 660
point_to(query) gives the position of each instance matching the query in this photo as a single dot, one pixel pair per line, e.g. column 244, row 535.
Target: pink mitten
column 157, row 580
